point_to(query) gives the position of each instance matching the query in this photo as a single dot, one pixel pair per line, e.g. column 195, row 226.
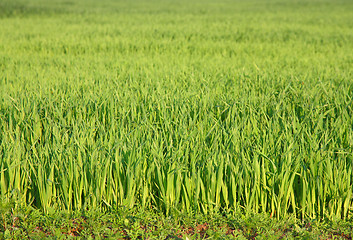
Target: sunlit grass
column 178, row 106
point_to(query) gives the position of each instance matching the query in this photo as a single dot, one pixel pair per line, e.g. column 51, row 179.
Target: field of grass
column 178, row 107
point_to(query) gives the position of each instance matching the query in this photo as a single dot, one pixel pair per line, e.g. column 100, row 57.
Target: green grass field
column 178, row 107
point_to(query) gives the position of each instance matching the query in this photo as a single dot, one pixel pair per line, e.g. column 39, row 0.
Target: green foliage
column 178, row 106
column 26, row 222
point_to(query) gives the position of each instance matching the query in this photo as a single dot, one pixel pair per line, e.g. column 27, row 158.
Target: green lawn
column 178, row 108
